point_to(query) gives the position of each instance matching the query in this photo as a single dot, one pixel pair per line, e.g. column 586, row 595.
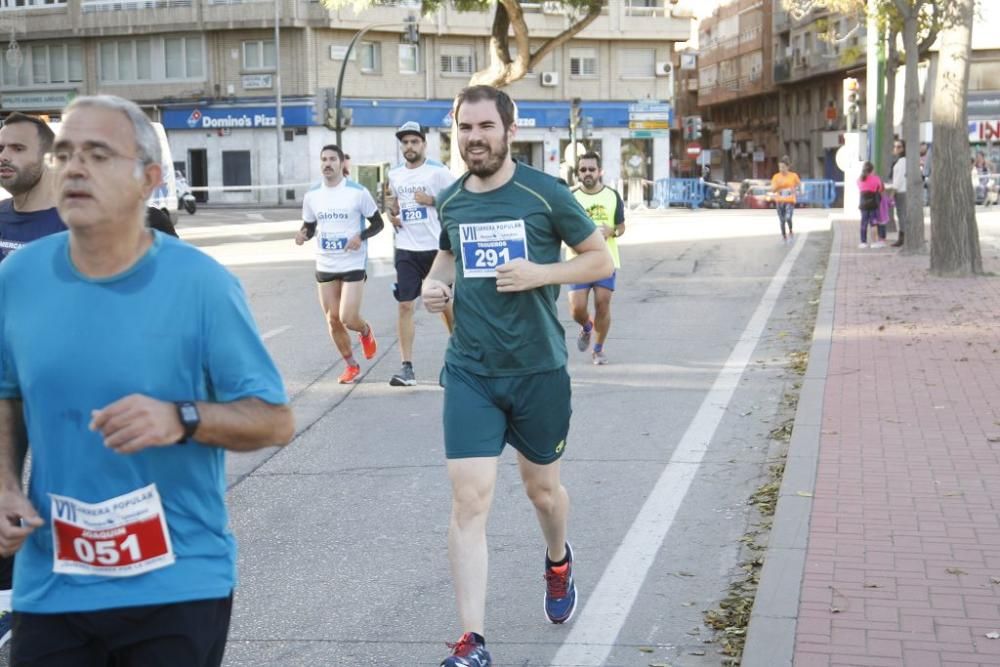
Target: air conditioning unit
column 664, row 69
column 552, row 8
column 550, row 79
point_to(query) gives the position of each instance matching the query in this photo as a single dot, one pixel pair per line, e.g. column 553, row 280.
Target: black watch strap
column 187, row 411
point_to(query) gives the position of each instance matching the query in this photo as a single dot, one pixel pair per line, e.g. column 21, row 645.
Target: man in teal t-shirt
column 505, row 380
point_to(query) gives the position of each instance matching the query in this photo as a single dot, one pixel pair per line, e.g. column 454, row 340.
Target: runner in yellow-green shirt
column 605, row 207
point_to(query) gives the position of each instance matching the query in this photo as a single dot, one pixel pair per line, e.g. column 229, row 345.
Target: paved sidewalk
column 886, row 541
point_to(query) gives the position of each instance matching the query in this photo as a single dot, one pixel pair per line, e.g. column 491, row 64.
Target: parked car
column 756, row 194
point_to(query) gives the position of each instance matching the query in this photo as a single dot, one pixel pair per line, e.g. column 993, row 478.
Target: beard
column 412, row 156
column 23, row 180
column 488, row 164
column 589, row 182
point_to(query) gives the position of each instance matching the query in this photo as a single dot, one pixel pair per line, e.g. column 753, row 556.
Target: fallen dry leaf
column 955, row 571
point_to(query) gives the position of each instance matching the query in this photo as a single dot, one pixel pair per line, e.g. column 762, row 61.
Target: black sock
column 408, row 363
column 479, row 639
column 550, row 563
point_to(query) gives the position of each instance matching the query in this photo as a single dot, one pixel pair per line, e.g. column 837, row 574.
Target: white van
column 164, row 197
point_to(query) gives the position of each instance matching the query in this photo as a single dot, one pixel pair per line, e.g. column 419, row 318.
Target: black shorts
column 412, row 266
column 346, row 276
column 166, row 635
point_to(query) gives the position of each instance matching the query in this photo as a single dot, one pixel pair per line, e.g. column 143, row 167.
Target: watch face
column 189, row 413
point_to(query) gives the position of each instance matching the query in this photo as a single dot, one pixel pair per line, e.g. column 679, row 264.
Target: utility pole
column 279, row 116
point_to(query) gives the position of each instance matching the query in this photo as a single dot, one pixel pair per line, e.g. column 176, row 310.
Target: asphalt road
column 342, row 534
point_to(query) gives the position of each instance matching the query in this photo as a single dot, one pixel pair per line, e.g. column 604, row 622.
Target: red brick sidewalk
column 903, row 559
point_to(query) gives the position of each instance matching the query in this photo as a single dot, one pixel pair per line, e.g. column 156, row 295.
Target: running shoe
column 467, row 652
column 560, row 590
column 583, row 340
column 599, row 358
column 368, row 343
column 6, row 619
column 349, row 375
column 404, row 378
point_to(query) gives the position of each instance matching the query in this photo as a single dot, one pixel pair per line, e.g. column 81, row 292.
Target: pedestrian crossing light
column 851, row 101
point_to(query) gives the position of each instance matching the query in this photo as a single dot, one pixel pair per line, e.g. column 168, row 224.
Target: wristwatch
column 187, row 411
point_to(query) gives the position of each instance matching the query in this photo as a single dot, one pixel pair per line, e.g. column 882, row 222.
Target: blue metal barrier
column 683, row 191
column 818, row 192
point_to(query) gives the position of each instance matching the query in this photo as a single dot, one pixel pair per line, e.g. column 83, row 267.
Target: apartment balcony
column 248, row 14
column 733, row 89
column 100, row 17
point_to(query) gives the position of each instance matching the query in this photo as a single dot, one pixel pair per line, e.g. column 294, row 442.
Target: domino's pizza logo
column 194, row 119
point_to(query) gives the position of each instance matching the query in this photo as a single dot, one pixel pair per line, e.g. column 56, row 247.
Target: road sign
column 648, row 125
column 648, row 134
column 693, row 149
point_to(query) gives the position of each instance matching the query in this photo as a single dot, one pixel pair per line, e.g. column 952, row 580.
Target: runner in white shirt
column 414, row 186
column 334, row 212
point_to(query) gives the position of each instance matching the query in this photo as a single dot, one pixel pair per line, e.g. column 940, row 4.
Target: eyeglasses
column 93, row 156
column 584, row 170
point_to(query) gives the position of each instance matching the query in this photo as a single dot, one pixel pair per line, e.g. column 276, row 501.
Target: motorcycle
column 185, row 199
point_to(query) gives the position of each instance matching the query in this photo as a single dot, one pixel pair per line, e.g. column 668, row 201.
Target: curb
column 771, row 632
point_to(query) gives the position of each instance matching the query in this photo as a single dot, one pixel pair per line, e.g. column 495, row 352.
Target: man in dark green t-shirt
column 505, row 376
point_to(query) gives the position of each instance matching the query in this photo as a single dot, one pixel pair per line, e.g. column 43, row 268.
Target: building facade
column 212, row 71
column 736, row 91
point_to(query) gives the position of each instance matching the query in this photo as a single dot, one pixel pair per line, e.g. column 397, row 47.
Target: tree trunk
column 954, row 232
column 914, row 215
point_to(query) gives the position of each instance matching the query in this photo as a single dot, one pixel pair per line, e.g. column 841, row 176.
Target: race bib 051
column 121, row 537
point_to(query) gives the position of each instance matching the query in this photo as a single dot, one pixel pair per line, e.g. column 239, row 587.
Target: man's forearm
column 13, row 443
column 443, row 268
column 245, row 425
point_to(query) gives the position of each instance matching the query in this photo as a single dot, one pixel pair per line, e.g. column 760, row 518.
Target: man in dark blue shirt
column 30, row 213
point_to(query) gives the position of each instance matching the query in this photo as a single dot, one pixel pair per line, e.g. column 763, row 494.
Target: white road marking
column 596, row 628
column 274, row 332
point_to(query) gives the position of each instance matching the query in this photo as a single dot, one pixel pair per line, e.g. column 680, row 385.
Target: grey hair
column 146, row 140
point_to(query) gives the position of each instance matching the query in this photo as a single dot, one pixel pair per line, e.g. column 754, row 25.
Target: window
column 409, row 59
column 636, row 63
column 44, row 64
column 259, row 55
column 132, row 60
column 236, row 169
column 457, row 59
column 370, row 55
column 583, row 62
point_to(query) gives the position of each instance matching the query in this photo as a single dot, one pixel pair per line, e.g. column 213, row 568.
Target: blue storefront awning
column 436, row 113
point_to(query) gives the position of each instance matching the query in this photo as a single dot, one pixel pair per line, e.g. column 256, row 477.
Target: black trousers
column 188, row 634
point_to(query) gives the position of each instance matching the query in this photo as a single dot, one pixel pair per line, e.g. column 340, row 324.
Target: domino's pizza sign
column 236, row 117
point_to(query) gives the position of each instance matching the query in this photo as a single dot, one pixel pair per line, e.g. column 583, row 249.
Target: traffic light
column 692, row 127
column 574, row 114
column 412, row 32
column 346, row 116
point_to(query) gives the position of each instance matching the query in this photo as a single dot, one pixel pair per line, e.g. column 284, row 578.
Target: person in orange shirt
column 784, row 187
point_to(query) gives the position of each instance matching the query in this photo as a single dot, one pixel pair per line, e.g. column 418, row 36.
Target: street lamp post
column 279, row 124
column 411, row 21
